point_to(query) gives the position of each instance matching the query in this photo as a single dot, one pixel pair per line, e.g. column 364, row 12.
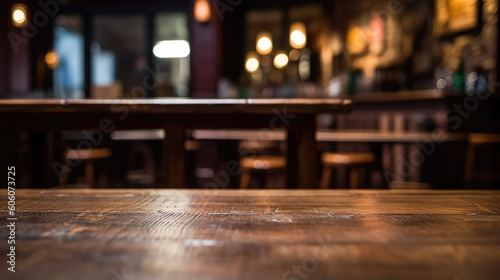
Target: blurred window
column 118, row 54
column 69, row 46
column 120, row 57
column 171, row 54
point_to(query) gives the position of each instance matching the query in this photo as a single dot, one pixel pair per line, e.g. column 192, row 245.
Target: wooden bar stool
column 259, row 164
column 87, row 156
column 353, row 161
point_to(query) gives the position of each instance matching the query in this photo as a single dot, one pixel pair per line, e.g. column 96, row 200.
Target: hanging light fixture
column 252, row 62
column 264, row 43
column 202, row 11
column 19, row 15
column 298, row 37
column 281, row 60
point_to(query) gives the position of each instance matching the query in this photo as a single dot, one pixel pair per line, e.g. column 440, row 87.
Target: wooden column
column 292, row 160
column 307, row 152
column 205, row 56
column 301, row 153
column 87, row 37
column 49, row 158
column 174, row 154
column 150, row 34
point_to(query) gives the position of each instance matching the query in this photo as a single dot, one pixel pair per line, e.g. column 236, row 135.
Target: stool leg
column 325, row 178
column 245, row 179
column 354, row 178
column 89, row 173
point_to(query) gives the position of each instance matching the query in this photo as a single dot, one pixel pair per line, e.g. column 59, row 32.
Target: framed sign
column 367, row 35
column 455, row 16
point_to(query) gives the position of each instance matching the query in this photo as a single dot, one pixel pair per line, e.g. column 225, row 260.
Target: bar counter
column 198, row 234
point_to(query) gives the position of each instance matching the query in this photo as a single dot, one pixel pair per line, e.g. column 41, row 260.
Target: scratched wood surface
column 178, row 234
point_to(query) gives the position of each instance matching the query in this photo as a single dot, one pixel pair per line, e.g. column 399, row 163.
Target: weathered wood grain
column 197, row 234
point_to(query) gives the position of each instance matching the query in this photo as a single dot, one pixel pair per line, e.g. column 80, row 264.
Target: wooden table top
column 190, row 234
column 177, row 105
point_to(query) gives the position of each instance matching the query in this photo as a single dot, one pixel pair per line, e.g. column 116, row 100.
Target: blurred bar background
column 413, row 69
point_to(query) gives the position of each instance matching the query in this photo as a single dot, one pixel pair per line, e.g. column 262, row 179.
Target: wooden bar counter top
column 254, row 234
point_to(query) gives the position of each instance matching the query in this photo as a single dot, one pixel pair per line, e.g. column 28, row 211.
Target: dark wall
column 15, row 52
column 4, row 16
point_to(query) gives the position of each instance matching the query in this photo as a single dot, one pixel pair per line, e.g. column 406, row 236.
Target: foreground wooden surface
column 176, row 234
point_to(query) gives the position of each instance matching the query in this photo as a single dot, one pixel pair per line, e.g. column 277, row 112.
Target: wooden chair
column 86, row 156
column 266, row 164
column 352, row 161
column 476, row 141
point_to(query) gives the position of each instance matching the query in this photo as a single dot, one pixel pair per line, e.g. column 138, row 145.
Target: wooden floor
column 176, row 234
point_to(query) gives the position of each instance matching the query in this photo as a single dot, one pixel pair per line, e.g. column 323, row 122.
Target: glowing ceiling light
column 264, row 43
column 202, row 11
column 19, row 15
column 298, row 38
column 281, row 60
column 171, row 49
column 252, row 63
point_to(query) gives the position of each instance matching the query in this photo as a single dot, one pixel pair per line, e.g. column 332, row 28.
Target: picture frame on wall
column 455, row 16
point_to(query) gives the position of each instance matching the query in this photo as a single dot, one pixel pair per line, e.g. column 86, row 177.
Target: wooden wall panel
column 206, row 56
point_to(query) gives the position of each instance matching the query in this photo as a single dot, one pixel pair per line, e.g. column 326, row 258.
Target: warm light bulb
column 298, row 38
column 202, row 11
column 19, row 15
column 281, row 60
column 52, row 59
column 264, row 43
column 252, row 63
